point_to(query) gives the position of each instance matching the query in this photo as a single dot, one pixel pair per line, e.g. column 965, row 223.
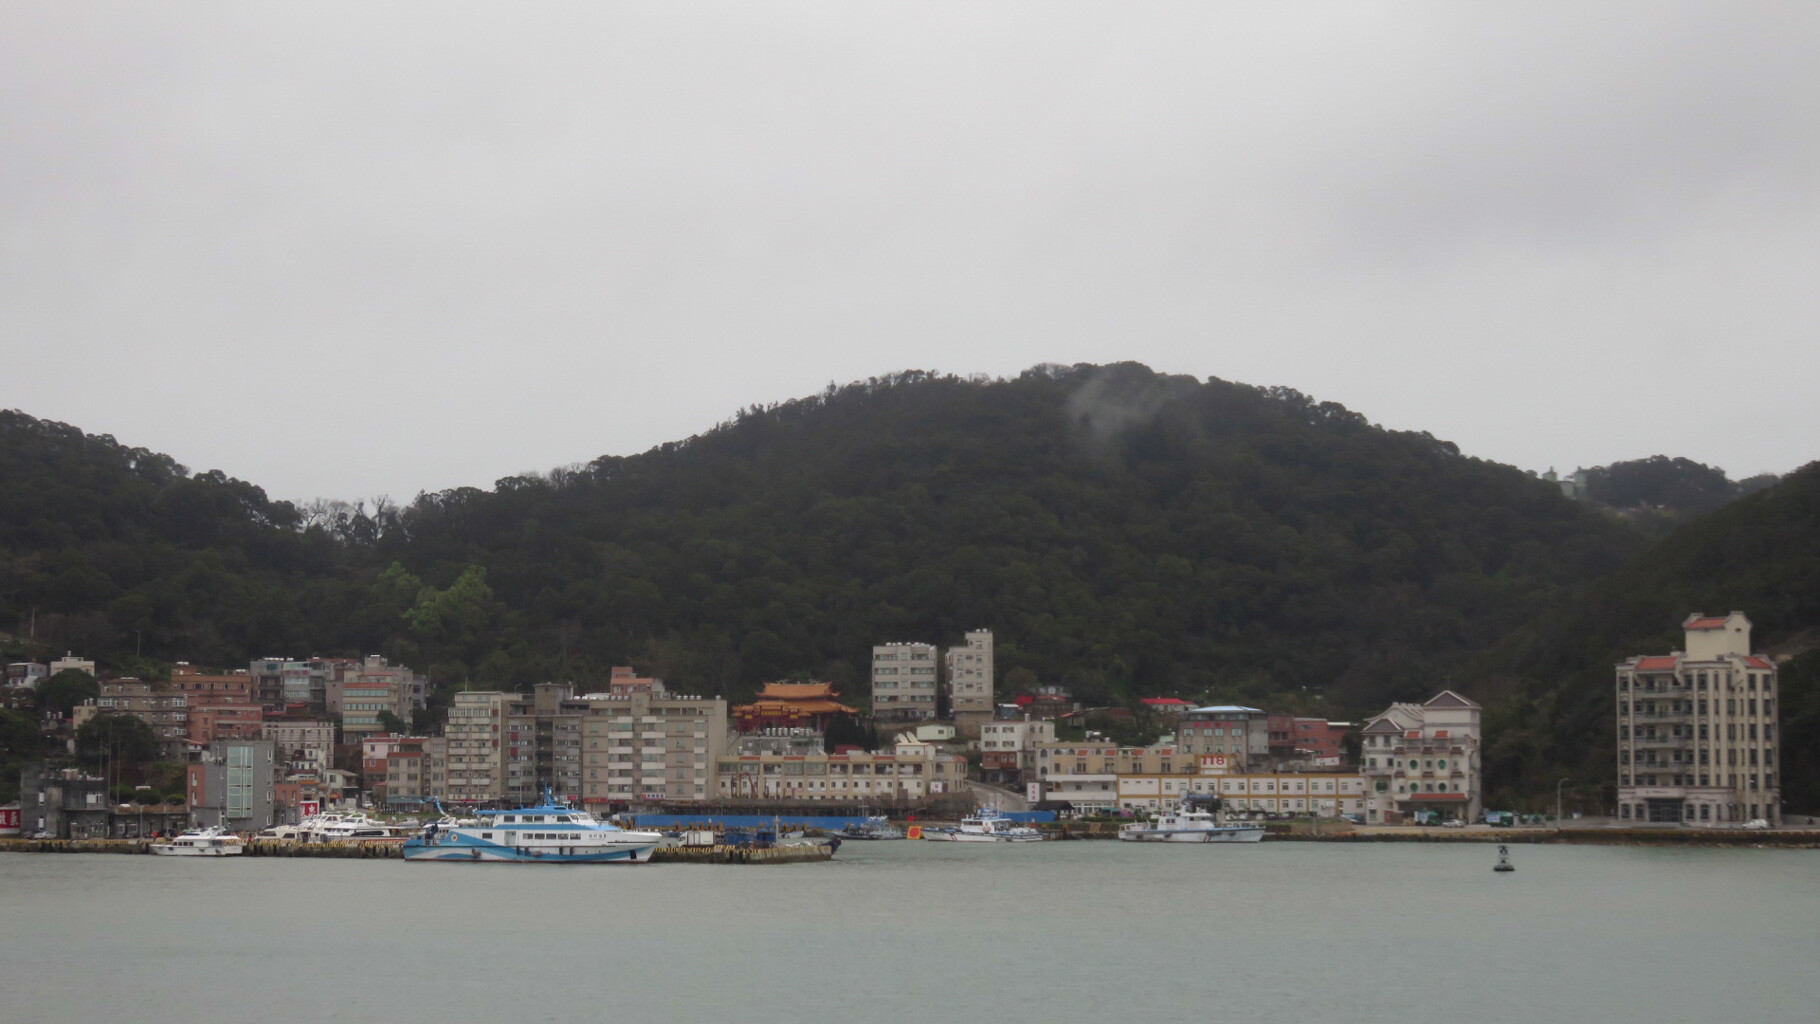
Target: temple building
column 791, row 706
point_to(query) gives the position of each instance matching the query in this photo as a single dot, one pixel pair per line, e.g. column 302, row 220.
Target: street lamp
column 1558, row 802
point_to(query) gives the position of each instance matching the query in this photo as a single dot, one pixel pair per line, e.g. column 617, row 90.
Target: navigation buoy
column 913, row 832
column 1503, row 863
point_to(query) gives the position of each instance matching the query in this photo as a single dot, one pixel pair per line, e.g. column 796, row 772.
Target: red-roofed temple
column 791, row 706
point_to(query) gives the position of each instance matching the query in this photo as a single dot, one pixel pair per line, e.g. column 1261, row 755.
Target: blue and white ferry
column 550, row 833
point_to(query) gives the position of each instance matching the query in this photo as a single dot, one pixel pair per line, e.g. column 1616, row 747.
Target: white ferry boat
column 549, row 833
column 985, row 826
column 1196, row 821
column 201, row 842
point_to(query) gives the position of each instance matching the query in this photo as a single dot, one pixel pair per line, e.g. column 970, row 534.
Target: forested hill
column 1552, row 680
column 1122, row 531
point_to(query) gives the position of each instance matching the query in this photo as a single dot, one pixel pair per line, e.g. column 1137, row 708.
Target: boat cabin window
column 509, row 818
column 562, row 819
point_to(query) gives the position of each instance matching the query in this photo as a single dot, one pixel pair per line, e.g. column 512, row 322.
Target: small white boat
column 201, row 842
column 985, row 826
column 1197, row 821
column 875, row 827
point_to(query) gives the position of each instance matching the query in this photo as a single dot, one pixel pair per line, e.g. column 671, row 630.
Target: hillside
column 1123, row 531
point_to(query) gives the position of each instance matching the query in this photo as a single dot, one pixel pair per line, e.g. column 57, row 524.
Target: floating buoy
column 1503, row 863
column 914, row 832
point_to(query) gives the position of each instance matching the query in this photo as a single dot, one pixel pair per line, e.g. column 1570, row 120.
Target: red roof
column 1661, row 663
column 1755, row 662
column 1165, row 702
column 1710, row 622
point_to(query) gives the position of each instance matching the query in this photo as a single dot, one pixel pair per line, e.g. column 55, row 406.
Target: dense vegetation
column 1124, row 532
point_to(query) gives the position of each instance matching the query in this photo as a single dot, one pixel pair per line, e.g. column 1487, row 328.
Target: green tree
column 117, row 738
column 68, row 688
column 393, row 724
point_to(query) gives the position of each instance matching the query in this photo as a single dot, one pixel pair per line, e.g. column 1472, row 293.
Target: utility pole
column 1558, row 803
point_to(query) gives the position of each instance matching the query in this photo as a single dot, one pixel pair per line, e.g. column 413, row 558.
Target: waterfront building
column 1422, row 758
column 414, row 773
column 903, row 682
column 1307, row 740
column 1229, row 729
column 791, row 706
column 649, row 746
column 231, row 785
column 1697, row 729
column 970, row 672
column 911, row 774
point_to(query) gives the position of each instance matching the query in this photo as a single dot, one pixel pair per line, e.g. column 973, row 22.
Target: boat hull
column 462, row 849
column 1218, row 835
column 163, row 850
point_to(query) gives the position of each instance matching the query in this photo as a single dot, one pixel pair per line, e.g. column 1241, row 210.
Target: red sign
column 309, row 807
column 9, row 821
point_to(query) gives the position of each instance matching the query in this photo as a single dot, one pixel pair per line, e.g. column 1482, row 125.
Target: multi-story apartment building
column 474, row 730
column 155, row 704
column 903, row 682
column 235, row 687
column 1423, row 757
column 1008, row 749
column 1086, row 774
column 213, row 719
column 1229, row 729
column 542, row 745
column 1328, row 794
column 969, row 669
column 302, row 744
column 648, row 746
column 1697, row 729
column 1310, row 740
column 415, row 773
column 70, row 661
column 910, row 775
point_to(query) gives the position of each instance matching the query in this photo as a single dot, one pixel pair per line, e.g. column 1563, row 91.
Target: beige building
column 1422, row 758
column 301, row 744
column 969, row 669
column 1697, row 729
column 911, row 774
column 1087, row 774
column 158, row 705
column 476, row 770
column 1008, row 749
column 647, row 746
column 1232, row 730
column 903, row 682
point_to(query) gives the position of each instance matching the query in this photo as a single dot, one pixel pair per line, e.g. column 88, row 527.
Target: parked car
column 1756, row 823
column 1453, row 823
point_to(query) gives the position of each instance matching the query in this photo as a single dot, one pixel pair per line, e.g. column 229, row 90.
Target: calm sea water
column 912, row 931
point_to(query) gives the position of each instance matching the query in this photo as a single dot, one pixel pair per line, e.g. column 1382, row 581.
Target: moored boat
column 1196, row 821
column 985, row 826
column 200, row 842
column 873, row 828
column 549, row 833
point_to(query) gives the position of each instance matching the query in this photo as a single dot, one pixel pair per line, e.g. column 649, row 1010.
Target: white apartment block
column 1697, row 729
column 911, row 774
column 1008, row 749
column 969, row 669
column 649, row 746
column 903, row 682
column 1422, row 757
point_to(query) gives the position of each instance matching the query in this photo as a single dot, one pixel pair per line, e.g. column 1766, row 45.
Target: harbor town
column 310, row 752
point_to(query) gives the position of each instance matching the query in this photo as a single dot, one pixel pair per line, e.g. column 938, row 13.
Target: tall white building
column 969, row 669
column 1697, row 729
column 903, row 682
column 649, row 746
column 1422, row 757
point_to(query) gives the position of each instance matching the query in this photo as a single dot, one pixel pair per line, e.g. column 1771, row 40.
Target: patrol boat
column 1192, row 825
column 549, row 833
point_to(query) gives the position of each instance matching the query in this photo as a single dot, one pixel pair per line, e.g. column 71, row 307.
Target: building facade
column 1229, row 729
column 231, row 785
column 1697, row 727
column 474, row 729
column 650, row 747
column 970, row 672
column 1422, row 758
column 903, row 682
column 910, row 775
column 1008, row 749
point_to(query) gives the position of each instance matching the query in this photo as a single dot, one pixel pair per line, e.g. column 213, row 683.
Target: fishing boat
column 873, row 828
column 201, row 842
column 1196, row 821
column 549, row 833
column 985, row 826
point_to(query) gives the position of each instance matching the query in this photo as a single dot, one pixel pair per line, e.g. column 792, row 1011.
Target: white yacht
column 985, row 826
column 201, row 842
column 1196, row 821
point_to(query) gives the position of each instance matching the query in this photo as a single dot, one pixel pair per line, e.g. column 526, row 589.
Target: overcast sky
column 349, row 249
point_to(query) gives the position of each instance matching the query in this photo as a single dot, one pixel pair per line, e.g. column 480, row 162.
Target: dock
column 395, row 851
